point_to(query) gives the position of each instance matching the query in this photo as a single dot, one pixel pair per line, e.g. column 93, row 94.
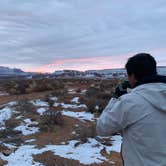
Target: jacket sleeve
column 113, row 119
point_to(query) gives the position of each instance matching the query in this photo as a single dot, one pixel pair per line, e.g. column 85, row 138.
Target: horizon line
column 26, row 71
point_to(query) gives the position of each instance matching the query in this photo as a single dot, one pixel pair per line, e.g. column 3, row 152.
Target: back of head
column 141, row 65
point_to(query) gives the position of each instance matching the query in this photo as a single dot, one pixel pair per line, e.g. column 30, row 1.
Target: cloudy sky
column 48, row 35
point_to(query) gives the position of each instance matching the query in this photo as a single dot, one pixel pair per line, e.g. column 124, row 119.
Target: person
column 139, row 114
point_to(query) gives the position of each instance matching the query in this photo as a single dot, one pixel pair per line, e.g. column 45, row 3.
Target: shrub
column 45, row 85
column 24, row 106
column 50, row 118
column 84, row 132
column 16, row 87
column 11, row 123
column 48, row 99
column 99, row 95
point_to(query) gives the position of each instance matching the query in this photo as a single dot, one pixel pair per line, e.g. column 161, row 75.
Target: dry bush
column 99, row 95
column 58, row 92
column 11, row 136
column 61, row 94
column 49, row 100
column 22, row 85
column 45, row 85
column 15, row 139
column 24, row 106
column 11, row 87
column 8, row 133
column 78, row 90
column 84, row 132
column 11, row 123
column 51, row 118
column 15, row 87
column 51, row 103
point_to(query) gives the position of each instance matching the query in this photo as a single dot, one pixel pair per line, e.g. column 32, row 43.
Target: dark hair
column 141, row 65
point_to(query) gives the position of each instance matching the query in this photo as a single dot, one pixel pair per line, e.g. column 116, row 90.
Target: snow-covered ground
column 39, row 103
column 72, row 91
column 83, row 91
column 5, row 114
column 12, row 103
column 79, row 115
column 23, row 155
column 26, row 128
column 29, row 141
column 41, row 110
column 70, row 106
column 75, row 105
column 75, row 100
column 54, row 98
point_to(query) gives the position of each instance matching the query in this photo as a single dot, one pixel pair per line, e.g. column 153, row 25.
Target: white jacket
column 141, row 115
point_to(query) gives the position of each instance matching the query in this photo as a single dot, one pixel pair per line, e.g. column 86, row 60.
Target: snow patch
column 26, row 129
column 39, row 103
column 10, row 146
column 116, row 142
column 83, row 91
column 72, row 91
column 73, row 132
column 57, row 104
column 5, row 114
column 12, row 103
column 75, row 100
column 29, row 141
column 69, row 151
column 73, row 106
column 19, row 117
column 97, row 107
column 54, row 98
column 79, row 115
column 23, row 155
column 70, row 106
column 41, row 111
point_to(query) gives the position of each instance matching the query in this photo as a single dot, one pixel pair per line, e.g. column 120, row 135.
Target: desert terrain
column 51, row 122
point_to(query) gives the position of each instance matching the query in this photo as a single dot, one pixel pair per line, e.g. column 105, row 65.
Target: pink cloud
column 91, row 63
column 82, row 64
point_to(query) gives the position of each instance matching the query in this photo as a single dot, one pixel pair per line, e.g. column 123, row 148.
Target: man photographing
column 140, row 114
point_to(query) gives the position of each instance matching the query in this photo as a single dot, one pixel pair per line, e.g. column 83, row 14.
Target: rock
column 8, row 152
column 5, row 150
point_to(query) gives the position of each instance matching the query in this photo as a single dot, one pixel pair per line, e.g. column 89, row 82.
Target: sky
column 49, row 35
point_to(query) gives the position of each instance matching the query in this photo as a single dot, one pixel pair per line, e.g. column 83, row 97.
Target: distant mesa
column 6, row 72
column 105, row 73
column 9, row 71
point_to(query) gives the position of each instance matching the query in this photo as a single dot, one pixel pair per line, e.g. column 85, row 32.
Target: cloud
column 82, row 64
column 37, row 33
